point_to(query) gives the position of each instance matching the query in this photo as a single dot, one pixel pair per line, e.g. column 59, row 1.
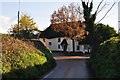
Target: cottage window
column 78, row 47
column 58, row 46
column 50, row 43
column 79, row 43
column 59, row 40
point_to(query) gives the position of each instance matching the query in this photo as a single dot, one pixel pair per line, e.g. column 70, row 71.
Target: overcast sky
column 40, row 11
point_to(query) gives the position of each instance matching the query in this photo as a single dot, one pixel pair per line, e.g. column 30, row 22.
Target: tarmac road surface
column 70, row 67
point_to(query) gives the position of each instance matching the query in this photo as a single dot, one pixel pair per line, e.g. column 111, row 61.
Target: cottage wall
column 54, row 44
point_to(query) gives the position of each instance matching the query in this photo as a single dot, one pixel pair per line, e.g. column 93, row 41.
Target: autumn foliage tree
column 25, row 26
column 69, row 21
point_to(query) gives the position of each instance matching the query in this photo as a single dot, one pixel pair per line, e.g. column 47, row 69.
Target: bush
column 106, row 60
column 21, row 60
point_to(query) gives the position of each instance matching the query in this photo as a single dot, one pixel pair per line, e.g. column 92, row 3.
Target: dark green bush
column 106, row 60
column 21, row 60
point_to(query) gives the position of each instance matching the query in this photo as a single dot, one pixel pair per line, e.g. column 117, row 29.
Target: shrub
column 21, row 60
column 106, row 60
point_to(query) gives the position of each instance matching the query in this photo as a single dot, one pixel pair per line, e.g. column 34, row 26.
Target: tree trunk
column 73, row 42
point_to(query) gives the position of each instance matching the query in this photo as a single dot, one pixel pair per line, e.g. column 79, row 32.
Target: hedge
column 106, row 60
column 22, row 61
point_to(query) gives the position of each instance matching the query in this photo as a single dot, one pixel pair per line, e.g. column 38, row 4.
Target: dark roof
column 51, row 33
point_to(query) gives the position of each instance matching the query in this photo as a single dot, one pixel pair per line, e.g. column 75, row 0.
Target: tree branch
column 99, row 5
column 101, row 8
column 107, row 12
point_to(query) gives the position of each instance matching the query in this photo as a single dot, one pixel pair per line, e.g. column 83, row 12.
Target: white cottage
column 54, row 44
column 54, row 39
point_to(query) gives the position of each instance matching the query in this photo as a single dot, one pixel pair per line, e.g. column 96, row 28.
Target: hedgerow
column 21, row 60
column 106, row 60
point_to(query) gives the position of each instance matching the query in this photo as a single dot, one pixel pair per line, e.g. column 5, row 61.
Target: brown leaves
column 12, row 45
column 67, row 20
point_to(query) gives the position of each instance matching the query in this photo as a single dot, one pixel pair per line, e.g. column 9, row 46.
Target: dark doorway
column 64, row 45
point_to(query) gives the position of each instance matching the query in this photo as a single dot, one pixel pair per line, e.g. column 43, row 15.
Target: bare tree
column 91, row 17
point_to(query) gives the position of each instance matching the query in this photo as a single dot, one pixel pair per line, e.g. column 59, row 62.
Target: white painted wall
column 54, row 44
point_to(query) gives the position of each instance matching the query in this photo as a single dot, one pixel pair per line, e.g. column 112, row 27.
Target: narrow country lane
column 70, row 67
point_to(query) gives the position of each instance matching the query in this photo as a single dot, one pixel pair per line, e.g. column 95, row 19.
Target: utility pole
column 18, row 17
column 18, row 21
column 118, row 16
